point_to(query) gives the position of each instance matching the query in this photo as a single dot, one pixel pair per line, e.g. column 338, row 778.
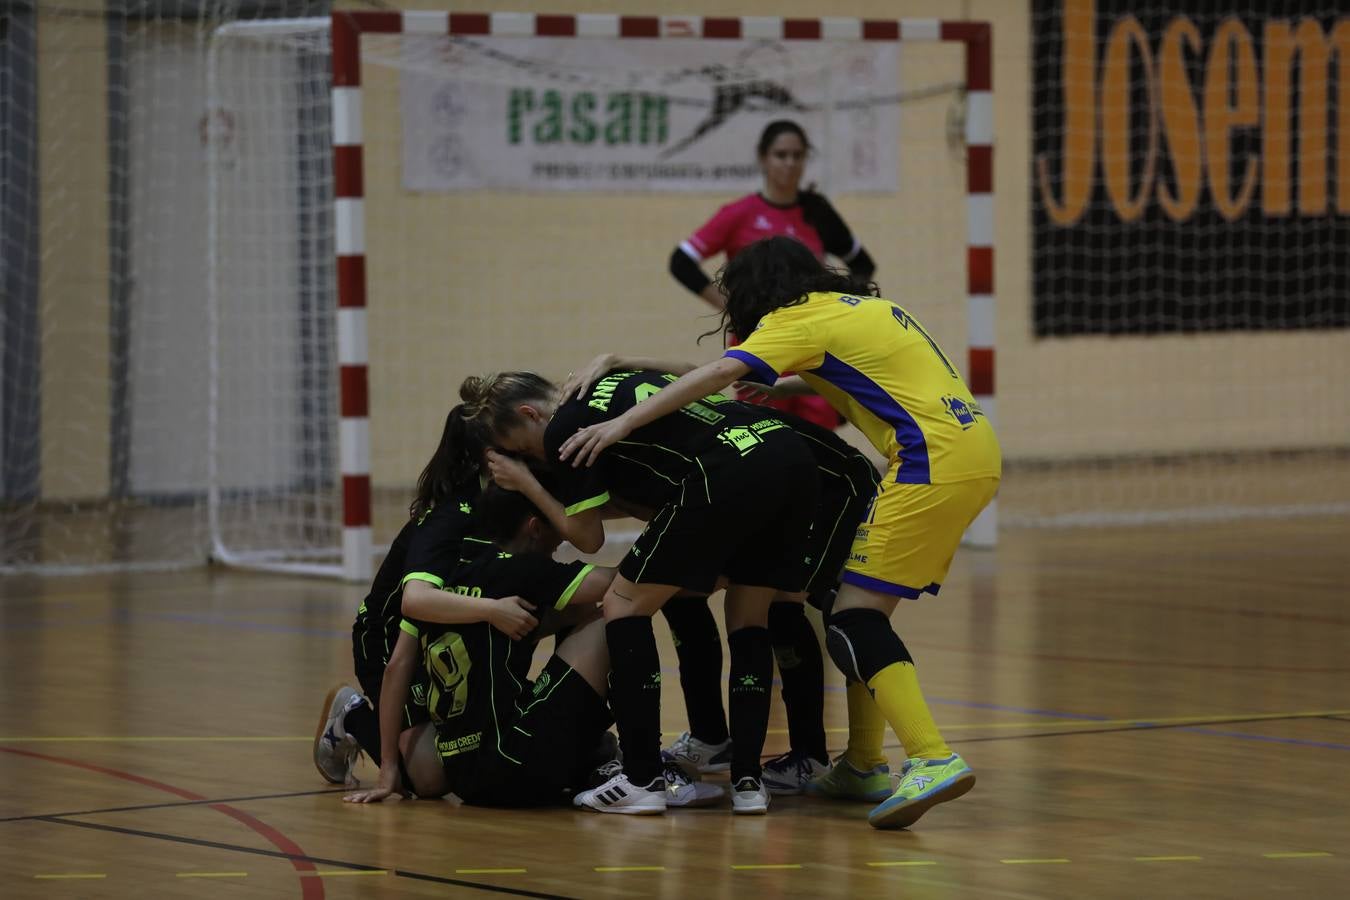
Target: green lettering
column 584, row 130
column 520, row 102
column 549, row 130
column 654, row 119
column 619, row 119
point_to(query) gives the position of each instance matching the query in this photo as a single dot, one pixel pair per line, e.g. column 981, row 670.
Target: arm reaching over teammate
column 585, row 446
column 585, row 531
column 512, row 616
column 578, row 383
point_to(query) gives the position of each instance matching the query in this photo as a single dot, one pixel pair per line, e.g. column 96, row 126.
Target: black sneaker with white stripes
column 618, row 795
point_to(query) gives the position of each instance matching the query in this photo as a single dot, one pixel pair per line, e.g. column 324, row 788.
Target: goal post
column 348, row 162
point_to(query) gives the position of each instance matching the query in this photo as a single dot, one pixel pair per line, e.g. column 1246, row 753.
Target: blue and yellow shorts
column 905, row 543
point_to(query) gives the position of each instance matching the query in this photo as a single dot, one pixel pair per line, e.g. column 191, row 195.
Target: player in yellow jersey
column 880, row 369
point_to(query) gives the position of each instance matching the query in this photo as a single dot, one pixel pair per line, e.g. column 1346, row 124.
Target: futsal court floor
column 1151, row 712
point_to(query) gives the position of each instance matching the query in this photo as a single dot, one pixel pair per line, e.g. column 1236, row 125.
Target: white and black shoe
column 335, row 751
column 698, row 756
column 749, row 798
column 619, row 795
column 792, row 772
column 685, row 791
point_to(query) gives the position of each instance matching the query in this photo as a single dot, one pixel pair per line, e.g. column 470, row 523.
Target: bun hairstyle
column 490, row 403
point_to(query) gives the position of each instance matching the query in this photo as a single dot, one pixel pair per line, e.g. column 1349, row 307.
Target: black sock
column 699, row 645
column 635, row 695
column 748, row 697
column 362, row 723
column 802, row 668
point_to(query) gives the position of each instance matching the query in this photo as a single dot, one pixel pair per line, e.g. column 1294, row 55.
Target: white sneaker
column 684, row 791
column 749, row 798
column 619, row 795
column 335, row 751
column 698, row 756
column 792, row 772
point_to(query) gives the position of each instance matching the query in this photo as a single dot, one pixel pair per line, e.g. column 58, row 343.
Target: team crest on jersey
column 466, row 508
column 962, row 411
column 419, row 694
column 542, row 682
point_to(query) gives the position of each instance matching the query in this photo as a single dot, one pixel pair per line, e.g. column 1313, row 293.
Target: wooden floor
column 1151, row 712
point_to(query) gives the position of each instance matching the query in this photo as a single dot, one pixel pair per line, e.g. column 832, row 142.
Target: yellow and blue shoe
column 844, row 782
column 924, row 783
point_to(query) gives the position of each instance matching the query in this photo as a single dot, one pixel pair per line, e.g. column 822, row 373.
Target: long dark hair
column 772, row 273
column 776, row 128
column 454, row 464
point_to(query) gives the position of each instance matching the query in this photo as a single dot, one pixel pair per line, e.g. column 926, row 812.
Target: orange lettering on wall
column 1116, row 116
column 1078, row 84
column 1181, row 119
column 1230, row 104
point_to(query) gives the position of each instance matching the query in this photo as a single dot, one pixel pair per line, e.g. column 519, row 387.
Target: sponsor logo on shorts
column 463, row 744
column 542, row 682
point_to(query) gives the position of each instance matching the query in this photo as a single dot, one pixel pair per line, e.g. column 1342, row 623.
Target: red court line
column 310, row 888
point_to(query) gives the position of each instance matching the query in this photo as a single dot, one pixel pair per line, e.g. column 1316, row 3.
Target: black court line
column 173, row 804
column 316, row 860
column 1337, row 718
column 1142, row 726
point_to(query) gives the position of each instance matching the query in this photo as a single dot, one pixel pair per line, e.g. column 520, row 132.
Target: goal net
column 215, row 403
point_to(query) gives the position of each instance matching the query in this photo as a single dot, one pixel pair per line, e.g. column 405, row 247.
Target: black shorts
column 743, row 515
column 547, row 751
column 371, row 679
column 846, row 490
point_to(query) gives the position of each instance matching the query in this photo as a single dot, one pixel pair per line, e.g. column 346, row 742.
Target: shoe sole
column 697, row 802
column 903, row 815
column 626, row 810
column 323, row 725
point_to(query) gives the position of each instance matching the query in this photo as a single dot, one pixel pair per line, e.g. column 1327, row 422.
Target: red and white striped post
column 353, row 353
column 346, row 35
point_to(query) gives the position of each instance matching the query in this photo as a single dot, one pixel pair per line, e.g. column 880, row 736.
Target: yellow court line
column 1033, row 862
column 489, row 871
column 1043, row 721
column 904, row 862
column 630, row 868
column 72, row 875
column 1034, row 723
column 212, row 874
column 1310, row 855
column 1167, row 858
column 777, row 866
column 329, row 873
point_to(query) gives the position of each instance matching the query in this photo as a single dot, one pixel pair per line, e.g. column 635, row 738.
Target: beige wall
column 585, row 274
column 470, row 284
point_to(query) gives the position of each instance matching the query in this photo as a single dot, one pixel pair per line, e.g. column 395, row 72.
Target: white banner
column 591, row 114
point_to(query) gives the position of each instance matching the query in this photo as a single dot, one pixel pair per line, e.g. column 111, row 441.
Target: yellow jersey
column 878, row 367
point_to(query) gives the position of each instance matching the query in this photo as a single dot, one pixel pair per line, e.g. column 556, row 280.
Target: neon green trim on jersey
column 584, row 505
column 409, row 627
column 566, row 596
column 423, row 576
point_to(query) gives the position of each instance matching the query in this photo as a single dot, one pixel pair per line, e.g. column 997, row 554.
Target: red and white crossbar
column 348, row 169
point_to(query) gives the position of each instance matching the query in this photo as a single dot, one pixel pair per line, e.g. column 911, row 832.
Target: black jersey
column 650, row 466
column 477, row 672
column 427, row 548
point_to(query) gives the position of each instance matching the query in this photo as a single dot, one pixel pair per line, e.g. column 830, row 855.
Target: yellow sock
column 897, row 694
column 866, row 729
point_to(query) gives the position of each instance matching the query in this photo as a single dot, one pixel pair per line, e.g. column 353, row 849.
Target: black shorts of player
column 846, row 491
column 549, row 749
column 745, row 514
column 371, row 678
